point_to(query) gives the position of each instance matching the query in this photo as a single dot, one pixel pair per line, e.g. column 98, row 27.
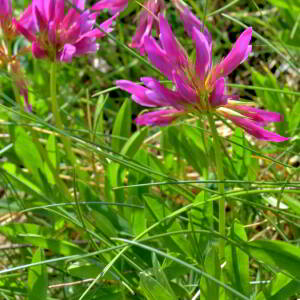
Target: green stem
column 220, row 175
column 54, row 103
column 55, row 110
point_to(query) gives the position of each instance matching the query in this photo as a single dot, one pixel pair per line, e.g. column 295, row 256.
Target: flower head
column 59, row 36
column 199, row 85
column 147, row 19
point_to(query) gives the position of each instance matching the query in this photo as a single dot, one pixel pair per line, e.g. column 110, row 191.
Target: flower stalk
column 54, row 103
column 56, row 114
column 220, row 176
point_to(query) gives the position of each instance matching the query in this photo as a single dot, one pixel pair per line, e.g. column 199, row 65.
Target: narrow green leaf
column 278, row 254
column 139, row 221
column 122, row 126
column 294, row 118
column 12, row 230
column 134, row 143
column 28, row 153
column 103, row 223
column 53, row 157
column 38, row 278
column 21, row 180
column 115, row 170
column 153, row 290
column 237, row 267
column 193, row 154
column 159, row 211
column 210, row 289
column 202, row 216
column 87, row 270
column 280, row 288
column 98, row 117
column 57, row 246
column 284, row 4
column 160, row 276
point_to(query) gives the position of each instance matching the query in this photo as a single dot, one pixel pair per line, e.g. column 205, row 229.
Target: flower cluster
column 147, row 20
column 61, row 36
column 53, row 33
column 199, row 85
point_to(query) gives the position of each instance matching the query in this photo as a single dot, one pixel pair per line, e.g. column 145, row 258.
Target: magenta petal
column 248, row 51
column 257, row 131
column 237, row 55
column 169, row 97
column 46, row 8
column 176, row 54
column 114, row 6
column 161, row 117
column 147, row 20
column 52, row 32
column 59, row 10
column 79, row 4
column 103, row 4
column 86, row 45
column 67, row 53
column 70, row 35
column 37, row 51
column 190, row 21
column 40, row 22
column 217, row 97
column 5, row 8
column 84, row 21
column 26, row 19
column 144, row 28
column 167, row 38
column 260, row 116
column 184, row 89
column 139, row 93
column 70, row 18
column 50, row 9
column 203, row 53
column 158, row 56
column 105, row 26
column 27, row 33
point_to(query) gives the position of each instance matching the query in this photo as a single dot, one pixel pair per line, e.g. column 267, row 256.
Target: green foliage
column 37, row 278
